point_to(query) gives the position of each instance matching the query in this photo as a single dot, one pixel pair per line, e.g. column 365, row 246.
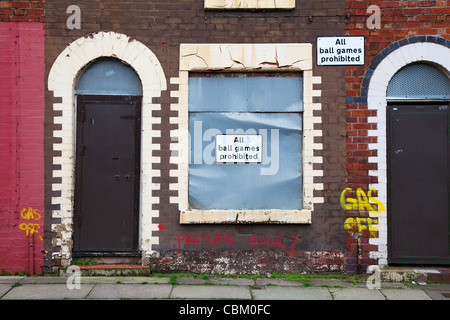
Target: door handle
column 127, row 177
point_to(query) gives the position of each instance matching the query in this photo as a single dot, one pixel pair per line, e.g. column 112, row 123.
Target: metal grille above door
column 419, row 81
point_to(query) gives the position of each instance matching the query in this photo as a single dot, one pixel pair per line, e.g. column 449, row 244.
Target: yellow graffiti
column 30, row 228
column 362, row 202
column 27, row 227
column 30, row 214
column 362, row 224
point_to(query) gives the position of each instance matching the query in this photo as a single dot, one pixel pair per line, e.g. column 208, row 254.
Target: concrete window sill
column 245, row 216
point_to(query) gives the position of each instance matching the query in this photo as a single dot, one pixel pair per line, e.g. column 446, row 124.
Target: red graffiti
column 253, row 241
column 192, row 240
column 187, row 240
column 294, row 243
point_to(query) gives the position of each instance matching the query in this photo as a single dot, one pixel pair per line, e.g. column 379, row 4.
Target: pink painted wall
column 21, row 146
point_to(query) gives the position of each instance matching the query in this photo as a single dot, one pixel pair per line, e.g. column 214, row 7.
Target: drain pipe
column 31, row 253
column 358, row 255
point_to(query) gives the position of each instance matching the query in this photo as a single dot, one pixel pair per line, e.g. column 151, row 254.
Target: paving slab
column 356, row 294
column 393, row 285
column 231, row 281
column 47, row 292
column 404, row 294
column 130, row 291
column 291, row 293
column 330, row 283
column 437, row 287
column 42, row 280
column 190, row 280
column 216, row 280
column 278, row 282
column 4, row 288
column 145, row 287
column 434, row 291
column 144, row 280
column 210, row 292
column 95, row 280
column 438, row 295
column 11, row 279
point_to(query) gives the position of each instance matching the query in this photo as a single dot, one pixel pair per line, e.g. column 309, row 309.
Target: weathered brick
column 22, row 11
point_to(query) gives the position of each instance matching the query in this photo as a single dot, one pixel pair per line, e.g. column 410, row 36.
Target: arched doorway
column 62, row 80
column 107, row 170
column 418, row 165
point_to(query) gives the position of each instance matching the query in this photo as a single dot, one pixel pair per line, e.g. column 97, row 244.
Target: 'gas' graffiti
column 362, row 203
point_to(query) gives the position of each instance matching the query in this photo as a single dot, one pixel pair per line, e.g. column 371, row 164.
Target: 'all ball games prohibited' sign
column 340, row 51
column 239, row 148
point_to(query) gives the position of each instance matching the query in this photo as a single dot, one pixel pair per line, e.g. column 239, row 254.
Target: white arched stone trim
column 377, row 100
column 62, row 81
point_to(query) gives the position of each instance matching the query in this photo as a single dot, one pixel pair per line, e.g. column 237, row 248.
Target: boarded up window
column 262, row 114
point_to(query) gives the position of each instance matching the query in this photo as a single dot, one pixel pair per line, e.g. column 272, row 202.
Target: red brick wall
column 399, row 20
column 21, row 146
column 22, row 11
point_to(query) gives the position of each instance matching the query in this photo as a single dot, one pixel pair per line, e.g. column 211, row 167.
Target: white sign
column 238, row 148
column 340, row 51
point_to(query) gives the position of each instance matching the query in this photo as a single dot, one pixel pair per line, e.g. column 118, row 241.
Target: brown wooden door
column 107, row 174
column 418, row 191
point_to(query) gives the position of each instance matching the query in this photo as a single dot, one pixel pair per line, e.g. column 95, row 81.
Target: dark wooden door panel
column 418, row 192
column 107, row 174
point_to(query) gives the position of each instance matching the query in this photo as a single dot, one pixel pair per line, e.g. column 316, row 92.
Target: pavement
column 190, row 288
